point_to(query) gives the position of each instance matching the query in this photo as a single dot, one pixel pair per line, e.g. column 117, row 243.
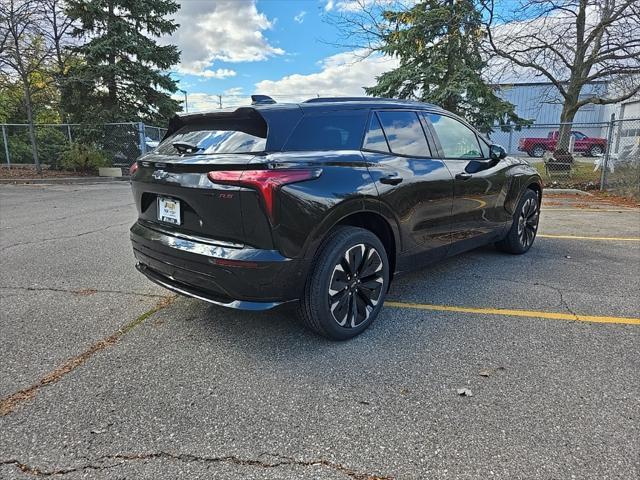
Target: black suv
column 322, row 203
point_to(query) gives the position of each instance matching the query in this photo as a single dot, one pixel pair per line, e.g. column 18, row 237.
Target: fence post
column 142, row 138
column 509, row 151
column 69, row 133
column 603, row 176
column 6, row 145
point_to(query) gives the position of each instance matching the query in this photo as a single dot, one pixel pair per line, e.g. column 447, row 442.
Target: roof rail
column 261, row 100
column 349, row 99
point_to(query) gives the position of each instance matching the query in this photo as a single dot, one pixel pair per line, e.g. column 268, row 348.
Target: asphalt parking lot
column 104, row 375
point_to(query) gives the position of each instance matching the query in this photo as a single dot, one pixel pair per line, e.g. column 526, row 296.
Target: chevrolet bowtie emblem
column 160, row 175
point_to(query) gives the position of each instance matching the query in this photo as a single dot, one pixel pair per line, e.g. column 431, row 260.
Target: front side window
column 404, row 133
column 328, row 131
column 456, row 139
column 579, row 135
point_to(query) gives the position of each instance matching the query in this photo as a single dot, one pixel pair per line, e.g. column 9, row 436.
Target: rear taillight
column 133, row 168
column 265, row 181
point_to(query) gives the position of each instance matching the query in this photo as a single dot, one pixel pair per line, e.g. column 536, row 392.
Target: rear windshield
column 216, row 136
column 328, row 131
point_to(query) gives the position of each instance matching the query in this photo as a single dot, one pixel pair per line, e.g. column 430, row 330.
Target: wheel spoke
column 353, row 310
column 371, row 264
column 354, row 257
column 340, row 308
column 338, row 280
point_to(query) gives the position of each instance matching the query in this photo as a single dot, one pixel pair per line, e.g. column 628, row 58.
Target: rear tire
column 596, row 150
column 347, row 284
column 537, row 151
column 523, row 231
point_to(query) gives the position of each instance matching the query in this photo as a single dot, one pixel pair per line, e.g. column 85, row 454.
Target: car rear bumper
column 224, row 274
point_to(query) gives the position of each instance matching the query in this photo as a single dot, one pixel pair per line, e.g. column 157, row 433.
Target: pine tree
column 438, row 44
column 123, row 69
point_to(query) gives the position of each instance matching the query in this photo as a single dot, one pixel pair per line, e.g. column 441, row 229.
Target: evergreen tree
column 438, row 45
column 123, row 69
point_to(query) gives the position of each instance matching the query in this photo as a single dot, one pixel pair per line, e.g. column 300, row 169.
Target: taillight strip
column 265, row 181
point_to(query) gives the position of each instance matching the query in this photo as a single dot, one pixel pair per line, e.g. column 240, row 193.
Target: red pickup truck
column 535, row 147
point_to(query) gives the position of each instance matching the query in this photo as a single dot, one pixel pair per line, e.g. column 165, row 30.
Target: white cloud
column 344, row 74
column 235, row 91
column 300, row 17
column 356, row 5
column 220, row 73
column 199, row 101
column 226, row 30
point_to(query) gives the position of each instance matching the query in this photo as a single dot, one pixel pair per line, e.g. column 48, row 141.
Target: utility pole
column 186, row 104
column 219, row 101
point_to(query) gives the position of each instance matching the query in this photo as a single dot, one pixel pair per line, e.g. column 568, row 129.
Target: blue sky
column 281, row 47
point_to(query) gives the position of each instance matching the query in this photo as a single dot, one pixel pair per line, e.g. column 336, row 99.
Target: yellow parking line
column 517, row 313
column 577, row 237
column 594, row 210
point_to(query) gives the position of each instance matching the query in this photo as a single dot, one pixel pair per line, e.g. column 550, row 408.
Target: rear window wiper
column 186, row 147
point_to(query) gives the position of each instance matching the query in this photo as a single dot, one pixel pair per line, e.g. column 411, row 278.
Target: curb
column 570, row 191
column 61, row 180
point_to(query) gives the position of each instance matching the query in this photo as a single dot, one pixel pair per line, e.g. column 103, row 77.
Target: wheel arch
column 367, row 215
column 523, row 181
column 380, row 227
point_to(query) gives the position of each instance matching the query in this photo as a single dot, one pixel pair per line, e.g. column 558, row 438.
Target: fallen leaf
column 486, row 372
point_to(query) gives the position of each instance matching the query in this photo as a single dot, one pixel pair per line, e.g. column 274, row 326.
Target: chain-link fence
column 121, row 142
column 603, row 156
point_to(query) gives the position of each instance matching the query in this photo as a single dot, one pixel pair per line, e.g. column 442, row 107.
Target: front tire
column 347, row 284
column 524, row 229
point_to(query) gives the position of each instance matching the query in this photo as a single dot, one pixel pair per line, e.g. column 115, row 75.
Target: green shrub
column 82, row 157
column 50, row 141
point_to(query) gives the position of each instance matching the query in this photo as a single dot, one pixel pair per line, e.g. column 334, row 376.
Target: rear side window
column 456, row 139
column 404, row 133
column 374, row 139
column 328, row 131
column 217, row 136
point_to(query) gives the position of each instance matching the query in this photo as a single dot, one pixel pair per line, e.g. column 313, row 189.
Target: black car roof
column 319, row 104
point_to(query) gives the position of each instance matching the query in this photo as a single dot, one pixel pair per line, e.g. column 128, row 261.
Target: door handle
column 463, row 176
column 393, row 179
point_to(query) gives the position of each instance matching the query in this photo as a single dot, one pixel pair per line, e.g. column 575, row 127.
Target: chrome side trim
column 193, row 238
column 190, row 245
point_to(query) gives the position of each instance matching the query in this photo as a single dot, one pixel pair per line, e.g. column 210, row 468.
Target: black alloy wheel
column 355, row 287
column 347, row 284
column 528, row 222
column 524, row 228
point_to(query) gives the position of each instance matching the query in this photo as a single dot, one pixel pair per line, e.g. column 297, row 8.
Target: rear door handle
column 463, row 176
column 393, row 179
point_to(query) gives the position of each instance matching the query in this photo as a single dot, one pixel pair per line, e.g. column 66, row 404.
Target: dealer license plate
column 169, row 210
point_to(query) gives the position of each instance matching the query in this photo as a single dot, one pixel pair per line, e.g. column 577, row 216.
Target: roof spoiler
column 261, row 100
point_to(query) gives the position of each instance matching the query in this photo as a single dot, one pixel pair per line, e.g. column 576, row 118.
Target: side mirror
column 496, row 152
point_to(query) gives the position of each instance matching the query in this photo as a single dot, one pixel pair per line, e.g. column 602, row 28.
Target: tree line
column 86, row 61
column 454, row 52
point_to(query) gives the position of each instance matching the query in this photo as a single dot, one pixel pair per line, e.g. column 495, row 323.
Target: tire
column 523, row 231
column 537, row 151
column 331, row 291
column 596, row 150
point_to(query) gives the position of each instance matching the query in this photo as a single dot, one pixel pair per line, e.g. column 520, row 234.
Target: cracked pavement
column 196, row 391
